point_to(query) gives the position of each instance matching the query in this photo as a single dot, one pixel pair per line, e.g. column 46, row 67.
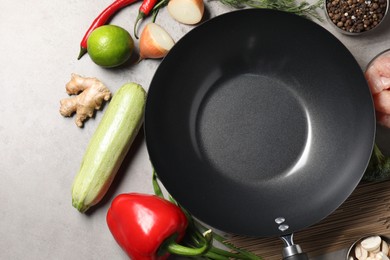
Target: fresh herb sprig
column 303, row 8
column 378, row 168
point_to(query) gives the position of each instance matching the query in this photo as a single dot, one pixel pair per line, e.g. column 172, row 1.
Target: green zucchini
column 108, row 146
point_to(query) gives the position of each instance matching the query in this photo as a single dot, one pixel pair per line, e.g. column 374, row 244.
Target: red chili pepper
column 148, row 227
column 102, row 19
column 144, row 10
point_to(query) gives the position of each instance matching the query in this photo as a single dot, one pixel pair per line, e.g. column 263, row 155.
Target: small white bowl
column 351, row 251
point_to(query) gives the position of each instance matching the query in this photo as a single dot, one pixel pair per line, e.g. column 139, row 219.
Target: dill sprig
column 303, row 8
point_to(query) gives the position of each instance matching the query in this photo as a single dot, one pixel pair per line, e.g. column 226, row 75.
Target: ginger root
column 93, row 92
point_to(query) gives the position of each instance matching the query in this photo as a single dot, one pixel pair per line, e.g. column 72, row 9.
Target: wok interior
column 248, row 117
column 264, row 131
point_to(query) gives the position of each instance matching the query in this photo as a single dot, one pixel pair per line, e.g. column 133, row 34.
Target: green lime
column 110, row 45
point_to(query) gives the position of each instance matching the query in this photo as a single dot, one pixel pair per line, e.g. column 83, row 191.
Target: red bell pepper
column 147, row 227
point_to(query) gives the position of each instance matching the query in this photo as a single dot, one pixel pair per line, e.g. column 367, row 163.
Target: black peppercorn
column 356, row 16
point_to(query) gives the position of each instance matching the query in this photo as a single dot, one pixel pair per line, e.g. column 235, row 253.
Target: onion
column 186, row 11
column 154, row 42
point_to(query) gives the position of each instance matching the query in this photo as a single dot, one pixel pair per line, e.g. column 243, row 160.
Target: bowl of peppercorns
column 354, row 17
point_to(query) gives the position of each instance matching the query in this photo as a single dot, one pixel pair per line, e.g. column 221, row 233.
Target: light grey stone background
column 41, row 151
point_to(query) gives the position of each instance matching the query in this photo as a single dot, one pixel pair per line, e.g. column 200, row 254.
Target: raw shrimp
column 378, row 79
column 378, row 73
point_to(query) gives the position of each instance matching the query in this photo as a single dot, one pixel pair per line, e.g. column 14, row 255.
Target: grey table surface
column 41, row 151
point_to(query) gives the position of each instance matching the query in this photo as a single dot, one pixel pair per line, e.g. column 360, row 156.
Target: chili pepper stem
column 140, row 16
column 160, row 4
column 157, row 7
column 82, row 52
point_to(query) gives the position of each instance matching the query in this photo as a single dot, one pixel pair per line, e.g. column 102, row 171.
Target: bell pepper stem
column 177, row 249
column 174, row 248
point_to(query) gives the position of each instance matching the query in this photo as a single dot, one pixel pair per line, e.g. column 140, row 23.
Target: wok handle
column 300, row 256
column 292, row 251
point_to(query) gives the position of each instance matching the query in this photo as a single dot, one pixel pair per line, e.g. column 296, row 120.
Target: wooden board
column 366, row 211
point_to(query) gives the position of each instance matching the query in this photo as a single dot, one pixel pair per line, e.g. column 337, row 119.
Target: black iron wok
column 260, row 123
